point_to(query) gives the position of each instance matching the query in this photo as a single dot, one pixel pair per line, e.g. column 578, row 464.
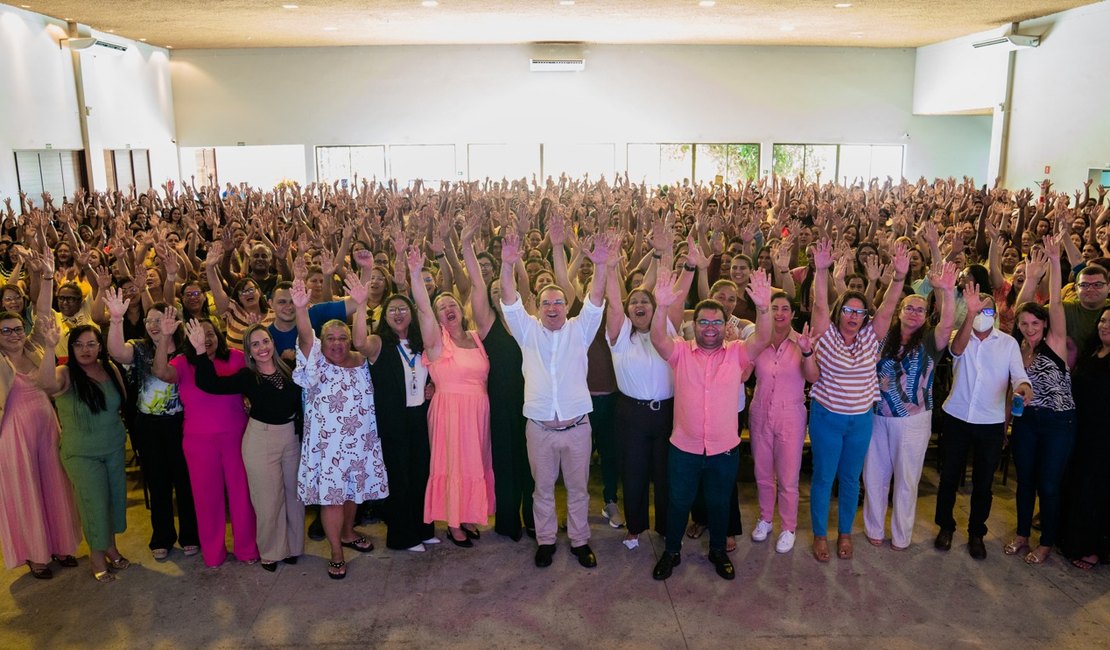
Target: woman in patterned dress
column 341, row 456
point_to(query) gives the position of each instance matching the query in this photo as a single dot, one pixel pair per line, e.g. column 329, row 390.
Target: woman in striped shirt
column 842, row 399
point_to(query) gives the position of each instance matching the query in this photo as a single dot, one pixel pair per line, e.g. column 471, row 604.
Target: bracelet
column 441, row 255
column 47, row 277
column 689, row 267
column 807, row 354
column 657, row 256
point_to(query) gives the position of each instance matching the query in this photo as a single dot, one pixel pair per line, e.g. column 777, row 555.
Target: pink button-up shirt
column 779, row 379
column 707, row 396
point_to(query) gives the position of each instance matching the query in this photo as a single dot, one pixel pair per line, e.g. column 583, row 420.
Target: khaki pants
column 271, row 453
column 548, row 453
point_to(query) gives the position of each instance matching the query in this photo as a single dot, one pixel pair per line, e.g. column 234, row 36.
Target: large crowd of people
column 446, row 353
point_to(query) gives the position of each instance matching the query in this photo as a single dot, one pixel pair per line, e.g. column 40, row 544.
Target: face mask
column 982, row 322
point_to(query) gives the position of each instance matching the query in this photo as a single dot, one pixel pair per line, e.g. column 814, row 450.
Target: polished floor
column 493, row 596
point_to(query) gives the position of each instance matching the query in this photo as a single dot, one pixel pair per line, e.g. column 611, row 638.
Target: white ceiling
column 265, row 23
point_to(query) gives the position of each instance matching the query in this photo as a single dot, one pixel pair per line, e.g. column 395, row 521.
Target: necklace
column 411, row 361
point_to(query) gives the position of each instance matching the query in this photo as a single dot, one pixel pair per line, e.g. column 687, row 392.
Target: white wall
column 1059, row 100
column 459, row 95
column 129, row 94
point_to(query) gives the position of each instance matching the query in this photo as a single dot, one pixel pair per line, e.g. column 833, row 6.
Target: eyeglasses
column 913, row 310
column 987, row 311
column 705, row 322
column 69, row 298
column 248, row 291
column 397, row 310
column 87, row 345
column 8, row 331
column 559, row 302
column 192, row 294
column 1091, row 285
column 852, row 310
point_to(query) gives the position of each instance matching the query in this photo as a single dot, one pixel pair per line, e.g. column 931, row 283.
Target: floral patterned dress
column 341, row 455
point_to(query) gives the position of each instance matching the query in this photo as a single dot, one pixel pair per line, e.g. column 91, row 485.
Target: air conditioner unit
column 556, row 65
column 87, row 42
column 1018, row 41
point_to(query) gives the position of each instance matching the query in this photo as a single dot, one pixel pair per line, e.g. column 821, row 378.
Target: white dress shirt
column 641, row 373
column 554, row 362
column 980, row 378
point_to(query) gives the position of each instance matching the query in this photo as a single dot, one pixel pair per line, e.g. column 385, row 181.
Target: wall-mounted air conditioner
column 87, row 42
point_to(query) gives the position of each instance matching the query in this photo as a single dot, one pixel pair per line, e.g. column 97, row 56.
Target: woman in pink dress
column 460, row 483
column 38, row 519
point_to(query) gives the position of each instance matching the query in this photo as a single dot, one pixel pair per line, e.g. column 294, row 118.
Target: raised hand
column 694, row 254
column 355, row 288
column 666, row 293
column 48, row 328
column 194, row 331
column 822, row 254
column 944, row 277
column 299, row 294
column 759, row 289
column 215, row 252
column 116, row 303
column 1037, row 265
column 1052, row 248
column 901, row 260
column 170, row 323
column 510, row 249
column 805, row 340
column 414, row 258
column 971, row 298
column 364, row 258
column 604, row 246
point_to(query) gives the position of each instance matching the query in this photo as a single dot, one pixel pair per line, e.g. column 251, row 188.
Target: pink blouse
column 210, row 415
column 779, row 379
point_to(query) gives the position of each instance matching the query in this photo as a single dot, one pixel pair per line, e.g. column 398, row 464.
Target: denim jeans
column 684, row 472
column 839, row 443
column 1041, row 446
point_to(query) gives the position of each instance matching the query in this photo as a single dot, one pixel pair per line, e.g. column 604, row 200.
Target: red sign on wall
column 1048, row 169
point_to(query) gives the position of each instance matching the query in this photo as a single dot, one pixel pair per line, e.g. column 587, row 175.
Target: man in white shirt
column 986, row 362
column 556, row 400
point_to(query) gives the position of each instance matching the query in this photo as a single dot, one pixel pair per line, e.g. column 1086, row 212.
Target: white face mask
column 982, row 322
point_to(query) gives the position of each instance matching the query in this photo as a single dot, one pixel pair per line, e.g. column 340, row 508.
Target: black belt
column 653, row 404
column 566, row 428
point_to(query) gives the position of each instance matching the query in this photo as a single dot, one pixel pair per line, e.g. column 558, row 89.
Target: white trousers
column 897, row 451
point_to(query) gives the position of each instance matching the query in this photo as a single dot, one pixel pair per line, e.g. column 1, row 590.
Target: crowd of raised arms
column 445, row 353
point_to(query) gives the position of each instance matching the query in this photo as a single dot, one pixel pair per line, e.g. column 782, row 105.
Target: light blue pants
column 839, row 443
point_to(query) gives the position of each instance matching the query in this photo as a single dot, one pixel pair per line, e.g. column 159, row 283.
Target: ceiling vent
column 556, row 65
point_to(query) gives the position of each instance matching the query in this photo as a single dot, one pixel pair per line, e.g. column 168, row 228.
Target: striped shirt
column 849, row 384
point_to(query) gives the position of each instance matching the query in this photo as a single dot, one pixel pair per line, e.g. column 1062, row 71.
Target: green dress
column 92, row 455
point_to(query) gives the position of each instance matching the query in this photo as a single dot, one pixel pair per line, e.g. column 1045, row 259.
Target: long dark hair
column 279, row 363
column 222, row 352
column 388, row 336
column 87, row 390
column 892, row 344
column 263, row 302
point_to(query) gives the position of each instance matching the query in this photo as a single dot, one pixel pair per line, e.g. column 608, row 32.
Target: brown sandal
column 1017, row 545
column 844, row 547
column 821, row 549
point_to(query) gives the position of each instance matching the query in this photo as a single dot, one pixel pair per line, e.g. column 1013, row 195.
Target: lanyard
column 411, row 361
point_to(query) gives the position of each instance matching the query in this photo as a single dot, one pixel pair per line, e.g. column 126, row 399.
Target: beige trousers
column 271, row 453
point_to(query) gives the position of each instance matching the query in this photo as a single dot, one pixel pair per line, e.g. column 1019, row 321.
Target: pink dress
column 460, row 484
column 37, row 514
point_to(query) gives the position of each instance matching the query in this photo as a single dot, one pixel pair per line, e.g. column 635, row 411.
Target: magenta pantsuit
column 213, row 445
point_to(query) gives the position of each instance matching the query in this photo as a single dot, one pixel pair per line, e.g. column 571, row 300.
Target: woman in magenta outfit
column 38, row 519
column 213, row 443
column 460, row 484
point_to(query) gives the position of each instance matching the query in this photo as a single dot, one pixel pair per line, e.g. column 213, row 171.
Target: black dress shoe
column 292, row 559
column 723, row 564
column 269, row 566
column 530, row 531
column 464, row 542
column 943, row 541
column 316, row 530
column 976, row 548
column 667, row 562
column 585, row 556
column 544, row 553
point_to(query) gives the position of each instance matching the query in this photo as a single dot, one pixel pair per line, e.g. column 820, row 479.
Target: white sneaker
column 762, row 530
column 631, row 544
column 613, row 514
column 432, row 540
column 785, row 543
column 419, row 548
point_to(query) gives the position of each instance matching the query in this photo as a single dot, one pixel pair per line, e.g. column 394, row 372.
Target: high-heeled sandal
column 40, row 573
column 67, row 561
column 104, row 576
column 821, row 549
column 844, row 547
column 1015, row 546
column 119, row 564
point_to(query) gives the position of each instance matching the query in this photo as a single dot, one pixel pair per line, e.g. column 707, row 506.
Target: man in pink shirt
column 704, row 441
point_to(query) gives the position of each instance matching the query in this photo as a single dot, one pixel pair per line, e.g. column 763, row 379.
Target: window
column 497, row 161
column 731, row 162
column 660, row 164
column 343, row 164
column 577, row 160
column 808, row 160
column 431, row 163
column 838, row 162
column 59, row 172
column 867, row 161
column 127, row 167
